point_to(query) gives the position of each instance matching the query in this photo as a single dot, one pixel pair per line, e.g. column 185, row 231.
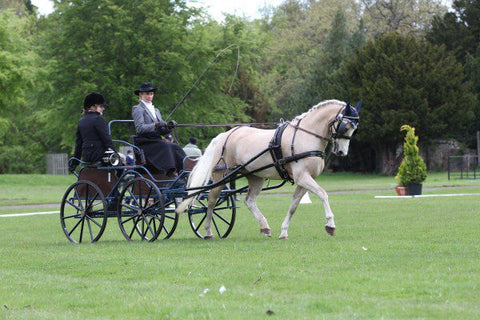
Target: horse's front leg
column 212, row 201
column 254, row 187
column 309, row 183
column 297, row 196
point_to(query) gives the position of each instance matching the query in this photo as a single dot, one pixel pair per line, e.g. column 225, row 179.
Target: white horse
column 298, row 157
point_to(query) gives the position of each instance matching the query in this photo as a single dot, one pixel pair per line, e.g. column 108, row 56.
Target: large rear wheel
column 83, row 212
column 223, row 217
column 141, row 210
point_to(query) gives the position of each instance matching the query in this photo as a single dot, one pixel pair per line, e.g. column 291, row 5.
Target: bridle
column 337, row 127
column 341, row 122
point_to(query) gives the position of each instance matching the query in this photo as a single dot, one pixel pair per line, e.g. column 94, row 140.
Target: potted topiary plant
column 412, row 171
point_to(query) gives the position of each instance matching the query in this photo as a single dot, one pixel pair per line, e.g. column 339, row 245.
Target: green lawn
column 45, row 189
column 391, row 258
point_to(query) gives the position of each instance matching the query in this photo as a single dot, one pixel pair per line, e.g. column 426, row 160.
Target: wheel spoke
column 133, row 228
column 75, row 227
column 79, row 208
column 81, row 230
column 216, row 228
column 220, row 217
column 200, row 223
column 94, row 221
column 90, row 229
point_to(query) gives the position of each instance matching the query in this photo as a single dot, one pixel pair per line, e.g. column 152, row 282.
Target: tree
column 20, row 7
column 18, row 152
column 338, row 47
column 459, row 32
column 404, row 80
column 297, row 31
column 112, row 46
column 410, row 17
column 413, row 168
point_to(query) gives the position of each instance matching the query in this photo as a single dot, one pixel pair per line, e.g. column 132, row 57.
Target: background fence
column 463, row 167
column 57, row 163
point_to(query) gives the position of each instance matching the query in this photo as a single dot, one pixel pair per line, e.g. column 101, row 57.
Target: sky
column 216, row 8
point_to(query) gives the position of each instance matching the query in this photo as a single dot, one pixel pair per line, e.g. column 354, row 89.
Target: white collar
column 148, row 104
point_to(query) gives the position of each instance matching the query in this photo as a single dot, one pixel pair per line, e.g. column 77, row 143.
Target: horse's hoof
column 330, row 230
column 283, row 238
column 266, row 232
column 210, row 237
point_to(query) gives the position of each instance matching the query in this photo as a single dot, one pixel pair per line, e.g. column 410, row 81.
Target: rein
column 231, row 124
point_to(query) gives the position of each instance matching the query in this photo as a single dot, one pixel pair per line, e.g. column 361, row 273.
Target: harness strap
column 296, row 126
column 218, row 166
column 275, row 147
column 292, row 146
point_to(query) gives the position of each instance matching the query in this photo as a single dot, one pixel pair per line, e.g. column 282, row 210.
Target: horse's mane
column 321, row 104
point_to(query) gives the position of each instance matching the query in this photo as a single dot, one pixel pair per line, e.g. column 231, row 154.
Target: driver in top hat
column 92, row 138
column 165, row 157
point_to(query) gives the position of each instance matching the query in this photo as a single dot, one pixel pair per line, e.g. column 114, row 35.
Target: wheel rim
column 223, row 217
column 82, row 214
column 141, row 211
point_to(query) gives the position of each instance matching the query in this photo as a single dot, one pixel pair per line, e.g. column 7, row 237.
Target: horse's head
column 343, row 127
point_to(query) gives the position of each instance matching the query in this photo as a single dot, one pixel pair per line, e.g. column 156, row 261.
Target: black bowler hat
column 92, row 99
column 145, row 87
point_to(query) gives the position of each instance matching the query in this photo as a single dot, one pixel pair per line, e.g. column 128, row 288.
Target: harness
column 275, row 148
column 279, row 161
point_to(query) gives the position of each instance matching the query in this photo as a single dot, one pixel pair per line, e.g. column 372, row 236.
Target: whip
column 203, row 73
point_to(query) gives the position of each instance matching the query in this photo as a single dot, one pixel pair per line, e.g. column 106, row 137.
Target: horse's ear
column 359, row 104
column 348, row 109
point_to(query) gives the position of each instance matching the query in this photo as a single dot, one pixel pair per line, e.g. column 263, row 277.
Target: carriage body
column 142, row 201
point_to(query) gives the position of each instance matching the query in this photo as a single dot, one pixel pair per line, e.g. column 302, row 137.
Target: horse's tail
column 200, row 174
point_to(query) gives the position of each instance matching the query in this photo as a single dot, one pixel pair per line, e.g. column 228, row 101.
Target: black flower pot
column 414, row 189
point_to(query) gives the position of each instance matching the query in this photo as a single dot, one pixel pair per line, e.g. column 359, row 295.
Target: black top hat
column 145, row 87
column 92, row 99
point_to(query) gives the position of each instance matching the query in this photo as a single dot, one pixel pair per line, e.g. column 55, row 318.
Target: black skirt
column 164, row 156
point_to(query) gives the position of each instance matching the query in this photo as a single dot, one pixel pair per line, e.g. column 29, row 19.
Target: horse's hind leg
column 254, row 187
column 212, row 201
column 309, row 183
column 297, row 196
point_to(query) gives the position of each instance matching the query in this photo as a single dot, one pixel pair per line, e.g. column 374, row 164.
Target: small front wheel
column 141, row 210
column 83, row 212
column 223, row 217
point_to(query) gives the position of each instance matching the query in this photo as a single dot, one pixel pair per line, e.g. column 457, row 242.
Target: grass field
column 391, row 259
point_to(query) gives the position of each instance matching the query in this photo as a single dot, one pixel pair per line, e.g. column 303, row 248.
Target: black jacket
column 92, row 138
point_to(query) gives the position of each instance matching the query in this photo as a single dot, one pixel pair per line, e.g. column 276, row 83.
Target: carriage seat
column 189, row 163
column 139, row 158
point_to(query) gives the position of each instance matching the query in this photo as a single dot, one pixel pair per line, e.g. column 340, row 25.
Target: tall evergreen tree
column 402, row 80
column 459, row 32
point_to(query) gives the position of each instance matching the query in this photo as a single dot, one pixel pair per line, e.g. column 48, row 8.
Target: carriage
column 142, row 201
column 147, row 205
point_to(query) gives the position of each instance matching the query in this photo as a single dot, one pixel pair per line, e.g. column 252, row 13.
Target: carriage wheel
column 83, row 212
column 171, row 219
column 141, row 212
column 223, row 217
